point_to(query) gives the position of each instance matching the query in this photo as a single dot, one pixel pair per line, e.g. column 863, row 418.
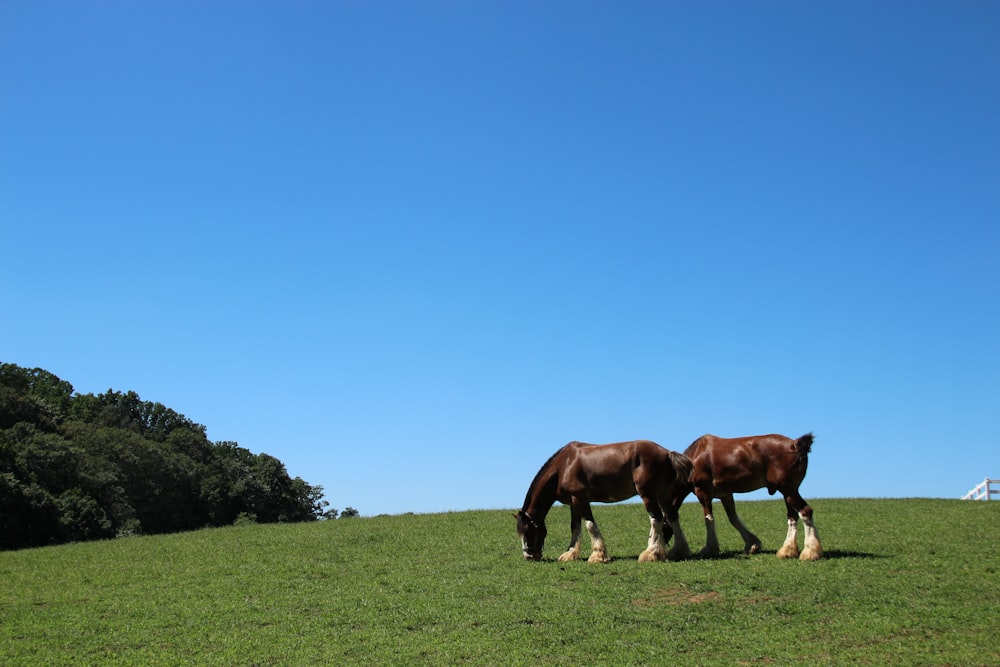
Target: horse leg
column 668, row 532
column 573, row 551
column 711, row 539
column 790, row 549
column 680, row 548
column 672, row 527
column 812, row 549
column 656, row 550
column 598, row 552
column 751, row 543
column 798, row 509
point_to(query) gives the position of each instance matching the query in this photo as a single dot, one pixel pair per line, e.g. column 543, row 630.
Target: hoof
column 569, row 556
column 656, row 555
column 708, row 553
column 810, row 553
column 599, row 557
column 678, row 554
column 788, row 552
column 753, row 549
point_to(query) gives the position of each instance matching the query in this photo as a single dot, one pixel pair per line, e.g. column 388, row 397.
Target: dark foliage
column 82, row 467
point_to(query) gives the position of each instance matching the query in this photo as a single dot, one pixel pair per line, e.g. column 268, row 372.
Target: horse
column 724, row 466
column 580, row 473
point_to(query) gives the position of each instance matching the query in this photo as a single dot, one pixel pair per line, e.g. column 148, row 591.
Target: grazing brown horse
column 724, row 466
column 579, row 474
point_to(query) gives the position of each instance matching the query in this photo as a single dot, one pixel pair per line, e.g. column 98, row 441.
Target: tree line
column 77, row 467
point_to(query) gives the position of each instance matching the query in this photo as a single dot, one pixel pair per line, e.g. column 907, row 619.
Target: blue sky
column 411, row 249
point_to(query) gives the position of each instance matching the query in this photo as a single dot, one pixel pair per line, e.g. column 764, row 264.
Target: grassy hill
column 904, row 582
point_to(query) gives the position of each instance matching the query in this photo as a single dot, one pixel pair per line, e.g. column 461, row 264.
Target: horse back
column 613, row 472
column 758, row 446
column 737, row 465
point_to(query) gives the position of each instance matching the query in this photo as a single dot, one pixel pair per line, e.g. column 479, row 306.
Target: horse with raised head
column 724, row 466
column 579, row 474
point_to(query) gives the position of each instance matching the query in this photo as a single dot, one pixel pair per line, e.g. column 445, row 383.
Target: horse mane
column 538, row 475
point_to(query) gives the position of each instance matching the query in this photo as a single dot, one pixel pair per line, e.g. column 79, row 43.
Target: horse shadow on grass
column 832, row 554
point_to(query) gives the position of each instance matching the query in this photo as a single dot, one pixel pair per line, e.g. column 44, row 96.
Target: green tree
column 29, row 516
column 40, row 384
column 76, row 467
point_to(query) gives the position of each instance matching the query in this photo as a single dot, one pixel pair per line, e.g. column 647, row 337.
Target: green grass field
column 904, row 582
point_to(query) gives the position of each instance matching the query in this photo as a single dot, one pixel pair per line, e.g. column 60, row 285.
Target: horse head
column 532, row 535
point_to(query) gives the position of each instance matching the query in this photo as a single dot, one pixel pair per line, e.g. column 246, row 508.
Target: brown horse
column 579, row 474
column 724, row 466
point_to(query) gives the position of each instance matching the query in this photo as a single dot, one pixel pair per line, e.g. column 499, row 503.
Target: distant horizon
column 636, row 501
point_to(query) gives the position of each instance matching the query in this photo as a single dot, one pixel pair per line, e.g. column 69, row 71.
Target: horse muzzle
column 532, row 554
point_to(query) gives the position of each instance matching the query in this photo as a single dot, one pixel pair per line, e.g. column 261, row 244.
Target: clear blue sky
column 412, row 248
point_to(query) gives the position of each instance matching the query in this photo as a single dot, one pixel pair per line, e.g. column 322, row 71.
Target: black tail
column 682, row 466
column 804, row 444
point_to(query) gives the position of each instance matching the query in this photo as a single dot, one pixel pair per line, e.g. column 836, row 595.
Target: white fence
column 984, row 491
